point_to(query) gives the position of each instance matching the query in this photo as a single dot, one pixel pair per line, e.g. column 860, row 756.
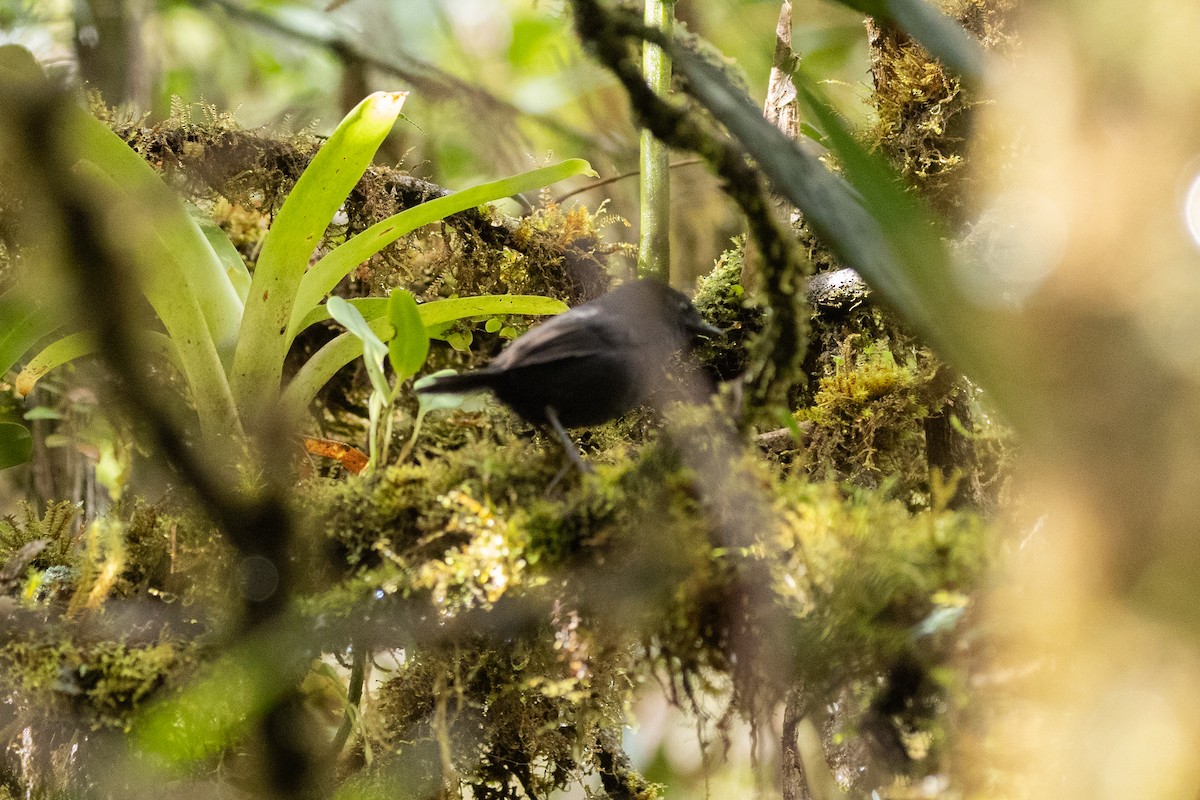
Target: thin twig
column 686, row 162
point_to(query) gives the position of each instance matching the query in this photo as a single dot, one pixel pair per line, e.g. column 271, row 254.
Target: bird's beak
column 701, row 328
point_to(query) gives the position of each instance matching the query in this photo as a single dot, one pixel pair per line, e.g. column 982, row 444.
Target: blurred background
column 497, row 86
column 1084, row 171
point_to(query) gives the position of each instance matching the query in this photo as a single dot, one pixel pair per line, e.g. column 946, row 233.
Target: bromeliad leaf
column 327, row 272
column 289, row 244
column 439, row 312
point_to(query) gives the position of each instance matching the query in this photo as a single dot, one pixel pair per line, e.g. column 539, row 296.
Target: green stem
column 654, row 246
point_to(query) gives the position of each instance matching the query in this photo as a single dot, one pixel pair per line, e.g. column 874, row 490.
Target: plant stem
column 654, row 246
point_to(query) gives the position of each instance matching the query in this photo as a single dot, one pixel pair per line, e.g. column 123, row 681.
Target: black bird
column 592, row 363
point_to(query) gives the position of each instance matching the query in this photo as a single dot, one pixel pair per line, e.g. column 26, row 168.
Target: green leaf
column 373, row 349
column 184, row 269
column 18, row 65
column 16, row 444
column 494, row 324
column 409, row 344
column 289, row 244
column 343, row 349
column 227, row 254
column 177, row 270
column 337, row 264
column 54, row 355
column 77, row 345
column 487, row 305
column 22, row 324
column 439, row 312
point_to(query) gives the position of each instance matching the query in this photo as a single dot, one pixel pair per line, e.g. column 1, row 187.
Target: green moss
column 866, row 418
column 722, row 299
column 104, row 682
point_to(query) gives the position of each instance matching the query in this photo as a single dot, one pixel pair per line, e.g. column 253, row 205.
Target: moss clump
column 510, row 721
column 722, row 300
column 923, row 112
column 866, row 419
column 104, row 682
column 878, row 600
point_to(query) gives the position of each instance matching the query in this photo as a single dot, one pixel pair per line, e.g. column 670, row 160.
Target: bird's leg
column 565, row 440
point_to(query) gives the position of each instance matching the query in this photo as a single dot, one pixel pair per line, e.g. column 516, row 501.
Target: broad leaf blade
column 22, row 324
column 409, row 344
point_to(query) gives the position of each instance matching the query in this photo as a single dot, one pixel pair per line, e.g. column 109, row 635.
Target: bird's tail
column 458, row 384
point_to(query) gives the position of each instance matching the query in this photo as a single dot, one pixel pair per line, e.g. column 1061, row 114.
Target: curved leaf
column 22, row 324
column 289, row 244
column 439, row 312
column 16, row 444
column 337, row 264
column 77, row 345
column 54, row 355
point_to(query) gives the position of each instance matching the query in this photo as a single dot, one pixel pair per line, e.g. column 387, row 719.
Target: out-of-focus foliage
column 447, row 624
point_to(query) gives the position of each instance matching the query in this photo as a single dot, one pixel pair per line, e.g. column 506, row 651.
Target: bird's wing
column 579, row 333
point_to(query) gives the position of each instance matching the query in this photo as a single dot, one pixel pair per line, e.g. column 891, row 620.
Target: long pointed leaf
column 338, row 263
column 437, row 312
column 77, row 345
column 162, row 277
column 197, row 266
column 289, row 244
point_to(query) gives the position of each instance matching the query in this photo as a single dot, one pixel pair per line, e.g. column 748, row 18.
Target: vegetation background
column 935, row 538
